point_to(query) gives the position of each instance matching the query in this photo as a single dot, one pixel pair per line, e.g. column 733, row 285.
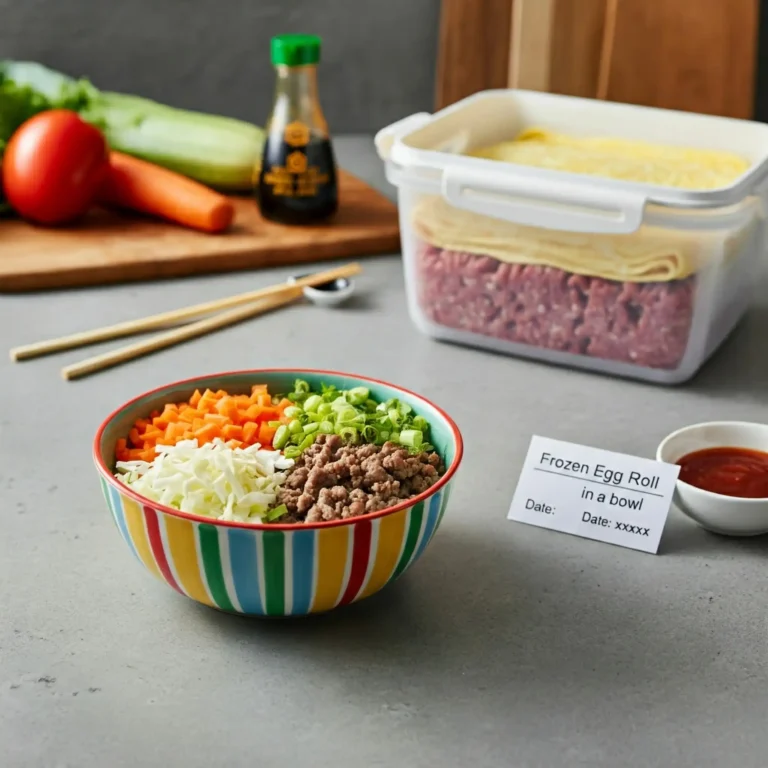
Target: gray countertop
column 506, row 645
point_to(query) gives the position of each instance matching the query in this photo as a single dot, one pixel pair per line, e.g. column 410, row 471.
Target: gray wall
column 213, row 55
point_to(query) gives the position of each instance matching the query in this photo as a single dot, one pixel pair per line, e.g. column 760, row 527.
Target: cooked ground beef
column 642, row 323
column 333, row 481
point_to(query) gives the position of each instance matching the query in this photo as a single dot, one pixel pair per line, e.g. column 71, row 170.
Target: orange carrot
column 207, row 433
column 216, row 418
column 121, row 449
column 253, row 412
column 239, row 420
column 250, row 432
column 141, row 186
column 266, row 433
column 232, row 432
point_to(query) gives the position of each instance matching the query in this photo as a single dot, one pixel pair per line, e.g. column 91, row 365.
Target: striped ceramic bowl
column 275, row 570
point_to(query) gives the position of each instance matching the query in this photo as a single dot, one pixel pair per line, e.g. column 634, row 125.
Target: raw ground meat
column 642, row 323
column 333, row 481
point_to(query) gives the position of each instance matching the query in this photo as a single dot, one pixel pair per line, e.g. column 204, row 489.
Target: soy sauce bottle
column 297, row 181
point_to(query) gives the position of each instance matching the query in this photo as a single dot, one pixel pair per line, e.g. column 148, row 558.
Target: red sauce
column 738, row 472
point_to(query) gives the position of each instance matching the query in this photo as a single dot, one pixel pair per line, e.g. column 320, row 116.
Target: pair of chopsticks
column 230, row 310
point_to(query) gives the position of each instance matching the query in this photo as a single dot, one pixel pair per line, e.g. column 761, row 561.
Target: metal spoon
column 329, row 294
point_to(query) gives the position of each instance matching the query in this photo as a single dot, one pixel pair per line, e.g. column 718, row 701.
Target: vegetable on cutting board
column 53, row 167
column 17, row 104
column 141, row 186
column 220, row 152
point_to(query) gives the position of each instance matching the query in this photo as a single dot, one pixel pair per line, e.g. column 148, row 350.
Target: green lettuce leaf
column 17, row 104
column 58, row 90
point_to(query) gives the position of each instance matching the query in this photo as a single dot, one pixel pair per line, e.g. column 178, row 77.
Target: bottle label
column 296, row 178
column 296, row 134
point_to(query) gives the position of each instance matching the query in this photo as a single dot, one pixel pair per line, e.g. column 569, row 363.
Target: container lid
column 295, row 50
column 428, row 151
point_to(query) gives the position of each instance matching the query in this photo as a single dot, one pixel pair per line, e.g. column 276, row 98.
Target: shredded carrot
column 239, row 420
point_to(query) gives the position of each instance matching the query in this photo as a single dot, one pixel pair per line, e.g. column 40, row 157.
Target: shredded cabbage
column 212, row 479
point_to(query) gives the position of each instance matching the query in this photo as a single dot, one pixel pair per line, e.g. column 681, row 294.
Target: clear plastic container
column 629, row 279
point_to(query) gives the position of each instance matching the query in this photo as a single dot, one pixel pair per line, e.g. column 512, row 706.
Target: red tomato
column 53, row 166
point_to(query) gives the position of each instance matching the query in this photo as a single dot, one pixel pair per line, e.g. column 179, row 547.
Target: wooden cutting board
column 110, row 247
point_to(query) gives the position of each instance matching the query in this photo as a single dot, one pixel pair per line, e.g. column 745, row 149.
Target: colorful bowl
column 275, row 570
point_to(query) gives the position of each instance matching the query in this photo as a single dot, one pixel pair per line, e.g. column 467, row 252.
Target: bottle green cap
column 295, row 50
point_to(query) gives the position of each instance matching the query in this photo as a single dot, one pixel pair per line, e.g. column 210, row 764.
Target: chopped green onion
column 412, row 438
column 274, row 424
column 352, row 415
column 348, row 433
column 357, row 395
column 306, row 442
column 273, row 514
column 295, row 426
column 281, row 437
column 312, row 403
column 347, row 414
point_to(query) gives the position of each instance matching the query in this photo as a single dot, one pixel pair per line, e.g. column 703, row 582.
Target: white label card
column 596, row 494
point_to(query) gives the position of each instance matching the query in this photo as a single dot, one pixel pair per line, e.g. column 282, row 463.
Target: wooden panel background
column 694, row 55
column 474, row 43
column 577, row 39
column 697, row 56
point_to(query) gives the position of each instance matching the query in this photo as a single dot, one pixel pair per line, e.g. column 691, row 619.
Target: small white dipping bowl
column 726, row 515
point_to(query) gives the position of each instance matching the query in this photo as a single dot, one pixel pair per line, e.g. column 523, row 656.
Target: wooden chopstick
column 173, row 317
column 91, row 365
